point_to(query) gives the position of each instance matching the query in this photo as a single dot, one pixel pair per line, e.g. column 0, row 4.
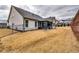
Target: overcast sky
column 59, row 11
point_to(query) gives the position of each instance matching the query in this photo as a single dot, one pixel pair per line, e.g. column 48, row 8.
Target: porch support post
column 23, row 25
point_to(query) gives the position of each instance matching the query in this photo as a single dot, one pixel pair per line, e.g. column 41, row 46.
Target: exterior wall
column 16, row 19
column 31, row 25
column 54, row 23
column 75, row 24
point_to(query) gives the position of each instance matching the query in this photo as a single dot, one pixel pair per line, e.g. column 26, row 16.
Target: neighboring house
column 75, row 25
column 60, row 23
column 64, row 22
column 67, row 22
column 3, row 23
column 22, row 20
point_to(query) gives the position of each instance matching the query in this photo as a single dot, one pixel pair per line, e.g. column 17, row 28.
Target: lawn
column 60, row 39
column 6, row 32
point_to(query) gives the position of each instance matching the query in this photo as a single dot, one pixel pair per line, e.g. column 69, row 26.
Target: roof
column 27, row 14
column 76, row 16
column 49, row 19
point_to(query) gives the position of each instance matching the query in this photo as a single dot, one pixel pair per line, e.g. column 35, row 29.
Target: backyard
column 60, row 39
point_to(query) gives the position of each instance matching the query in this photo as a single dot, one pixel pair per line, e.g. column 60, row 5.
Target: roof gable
column 75, row 20
column 76, row 16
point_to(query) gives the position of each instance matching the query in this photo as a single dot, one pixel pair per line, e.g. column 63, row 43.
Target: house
column 23, row 20
column 75, row 25
column 64, row 22
column 20, row 19
column 3, row 23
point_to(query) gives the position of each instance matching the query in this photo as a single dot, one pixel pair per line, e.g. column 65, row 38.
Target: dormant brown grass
column 60, row 39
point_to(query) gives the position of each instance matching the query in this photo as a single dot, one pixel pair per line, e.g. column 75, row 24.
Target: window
column 35, row 23
column 26, row 23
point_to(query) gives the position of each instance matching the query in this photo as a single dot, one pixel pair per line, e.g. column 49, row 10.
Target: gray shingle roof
column 27, row 14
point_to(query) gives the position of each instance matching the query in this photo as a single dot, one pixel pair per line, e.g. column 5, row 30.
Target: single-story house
column 23, row 20
column 67, row 22
column 3, row 23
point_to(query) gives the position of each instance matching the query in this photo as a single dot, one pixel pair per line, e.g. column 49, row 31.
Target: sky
column 58, row 11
